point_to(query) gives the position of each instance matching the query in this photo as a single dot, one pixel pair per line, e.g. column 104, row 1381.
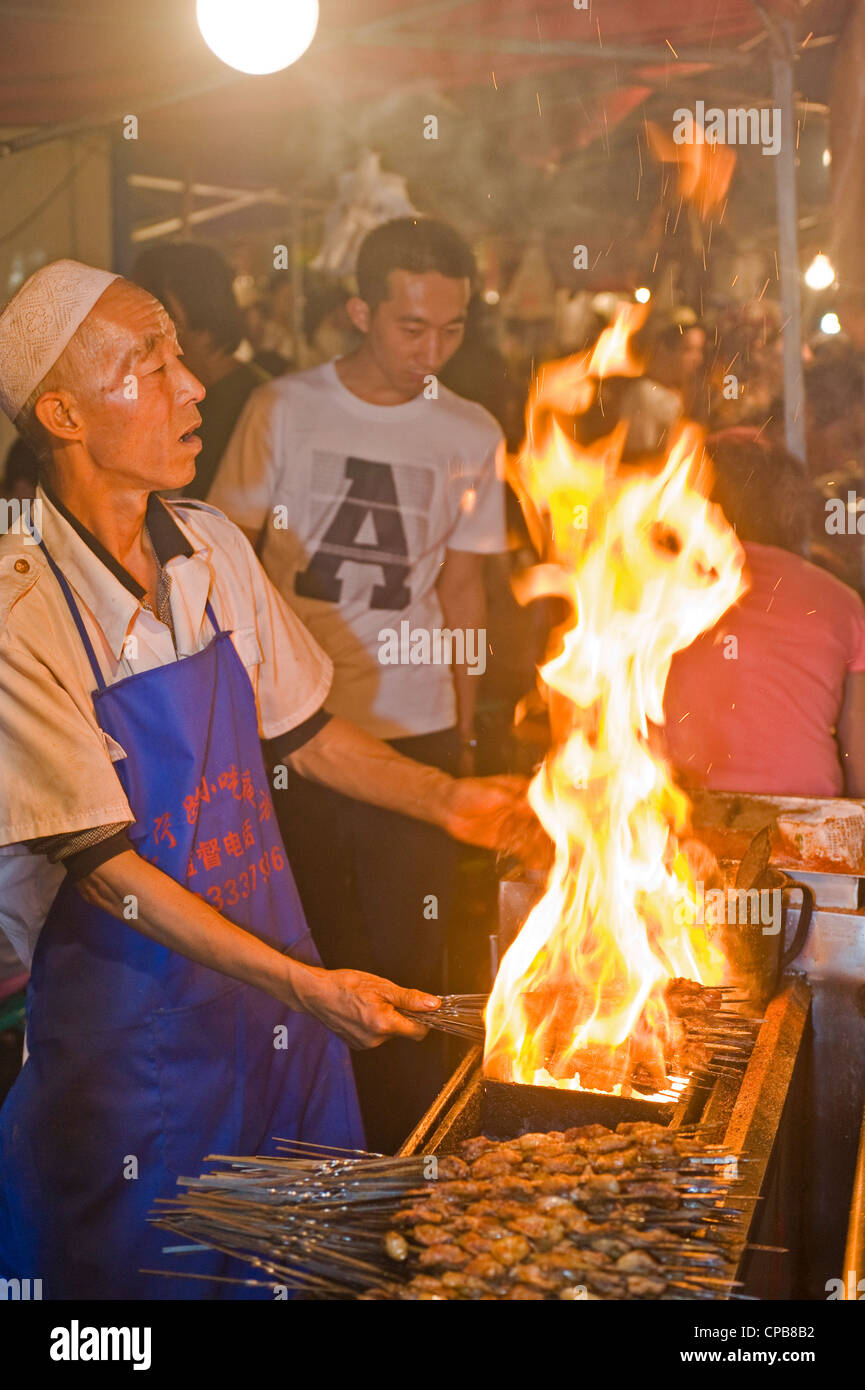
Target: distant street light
column 820, row 273
column 258, row 36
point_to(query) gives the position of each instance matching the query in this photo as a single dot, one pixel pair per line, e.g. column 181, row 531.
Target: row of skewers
column 640, row 1212
column 707, row 1038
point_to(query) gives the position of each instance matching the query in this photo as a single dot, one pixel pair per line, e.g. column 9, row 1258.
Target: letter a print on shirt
column 367, row 528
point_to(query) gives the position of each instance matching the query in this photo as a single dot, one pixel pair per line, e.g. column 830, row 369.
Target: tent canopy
column 61, row 64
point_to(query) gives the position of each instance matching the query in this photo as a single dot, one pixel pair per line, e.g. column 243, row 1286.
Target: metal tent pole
column 788, row 240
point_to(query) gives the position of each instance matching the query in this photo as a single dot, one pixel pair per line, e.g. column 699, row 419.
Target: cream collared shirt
column 56, row 766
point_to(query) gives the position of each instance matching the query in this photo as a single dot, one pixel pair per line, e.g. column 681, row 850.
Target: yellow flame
column 647, row 564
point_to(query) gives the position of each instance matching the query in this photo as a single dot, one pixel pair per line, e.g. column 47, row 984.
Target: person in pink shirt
column 772, row 700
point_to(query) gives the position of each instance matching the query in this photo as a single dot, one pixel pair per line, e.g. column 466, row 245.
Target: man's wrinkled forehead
column 129, row 324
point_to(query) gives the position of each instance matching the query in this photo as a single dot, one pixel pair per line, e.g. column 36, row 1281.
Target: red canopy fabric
column 63, row 63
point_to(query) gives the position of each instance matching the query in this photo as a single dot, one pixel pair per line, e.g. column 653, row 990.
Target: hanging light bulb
column 258, row 36
column 820, row 273
column 643, row 294
column 830, row 323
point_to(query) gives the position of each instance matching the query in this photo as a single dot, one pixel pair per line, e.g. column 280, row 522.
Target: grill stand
column 745, row 1116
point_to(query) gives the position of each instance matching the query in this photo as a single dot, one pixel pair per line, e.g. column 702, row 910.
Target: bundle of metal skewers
column 642, row 1212
column 312, row 1220
column 461, row 1014
column 715, row 1039
column 715, row 1026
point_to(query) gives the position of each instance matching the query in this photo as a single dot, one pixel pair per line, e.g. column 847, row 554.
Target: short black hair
column 834, row 385
column 202, row 280
column 762, row 489
column 416, row 244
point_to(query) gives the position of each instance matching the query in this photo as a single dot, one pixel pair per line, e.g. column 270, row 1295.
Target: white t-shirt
column 360, row 503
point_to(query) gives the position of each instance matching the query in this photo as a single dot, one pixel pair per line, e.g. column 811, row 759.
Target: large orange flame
column 704, row 169
column 647, row 565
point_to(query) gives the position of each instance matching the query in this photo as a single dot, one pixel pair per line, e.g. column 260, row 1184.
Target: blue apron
column 141, row 1062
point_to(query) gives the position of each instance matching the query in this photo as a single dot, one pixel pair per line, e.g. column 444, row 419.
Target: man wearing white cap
column 177, row 1006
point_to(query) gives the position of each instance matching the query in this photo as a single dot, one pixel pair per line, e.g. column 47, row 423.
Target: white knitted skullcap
column 38, row 322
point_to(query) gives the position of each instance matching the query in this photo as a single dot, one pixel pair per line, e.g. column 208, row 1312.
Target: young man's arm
column 851, row 734
column 488, row 811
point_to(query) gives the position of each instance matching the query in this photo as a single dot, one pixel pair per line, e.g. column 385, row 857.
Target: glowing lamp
column 258, row 36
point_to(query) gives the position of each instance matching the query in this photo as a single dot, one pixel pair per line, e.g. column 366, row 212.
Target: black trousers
column 377, row 888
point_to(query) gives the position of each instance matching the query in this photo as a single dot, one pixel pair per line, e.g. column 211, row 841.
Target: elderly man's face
column 140, row 408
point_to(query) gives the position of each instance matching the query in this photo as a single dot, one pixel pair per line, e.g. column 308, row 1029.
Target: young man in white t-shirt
column 373, row 493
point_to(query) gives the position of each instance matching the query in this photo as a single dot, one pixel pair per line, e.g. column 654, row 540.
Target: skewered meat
column 465, row 1283
column 500, row 1209
column 427, row 1234
column 591, row 1189
column 616, row 1161
column 542, row 1141
column 485, row 1267
column 517, row 1187
column 557, row 1206
column 426, row 1283
column 561, row 1163
column 586, row 1133
column 496, row 1162
column 395, row 1245
column 443, row 1256
column 622, row 1221
column 469, row 1188
column 473, row 1148
column 664, row 1042
column 602, row 1143
column 657, row 1225
column 476, row 1244
column 637, row 1262
column 540, row 1230
column 537, row 1277
column 557, row 1184
column 428, row 1211
column 512, row 1250
column 646, row 1288
column 452, row 1167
